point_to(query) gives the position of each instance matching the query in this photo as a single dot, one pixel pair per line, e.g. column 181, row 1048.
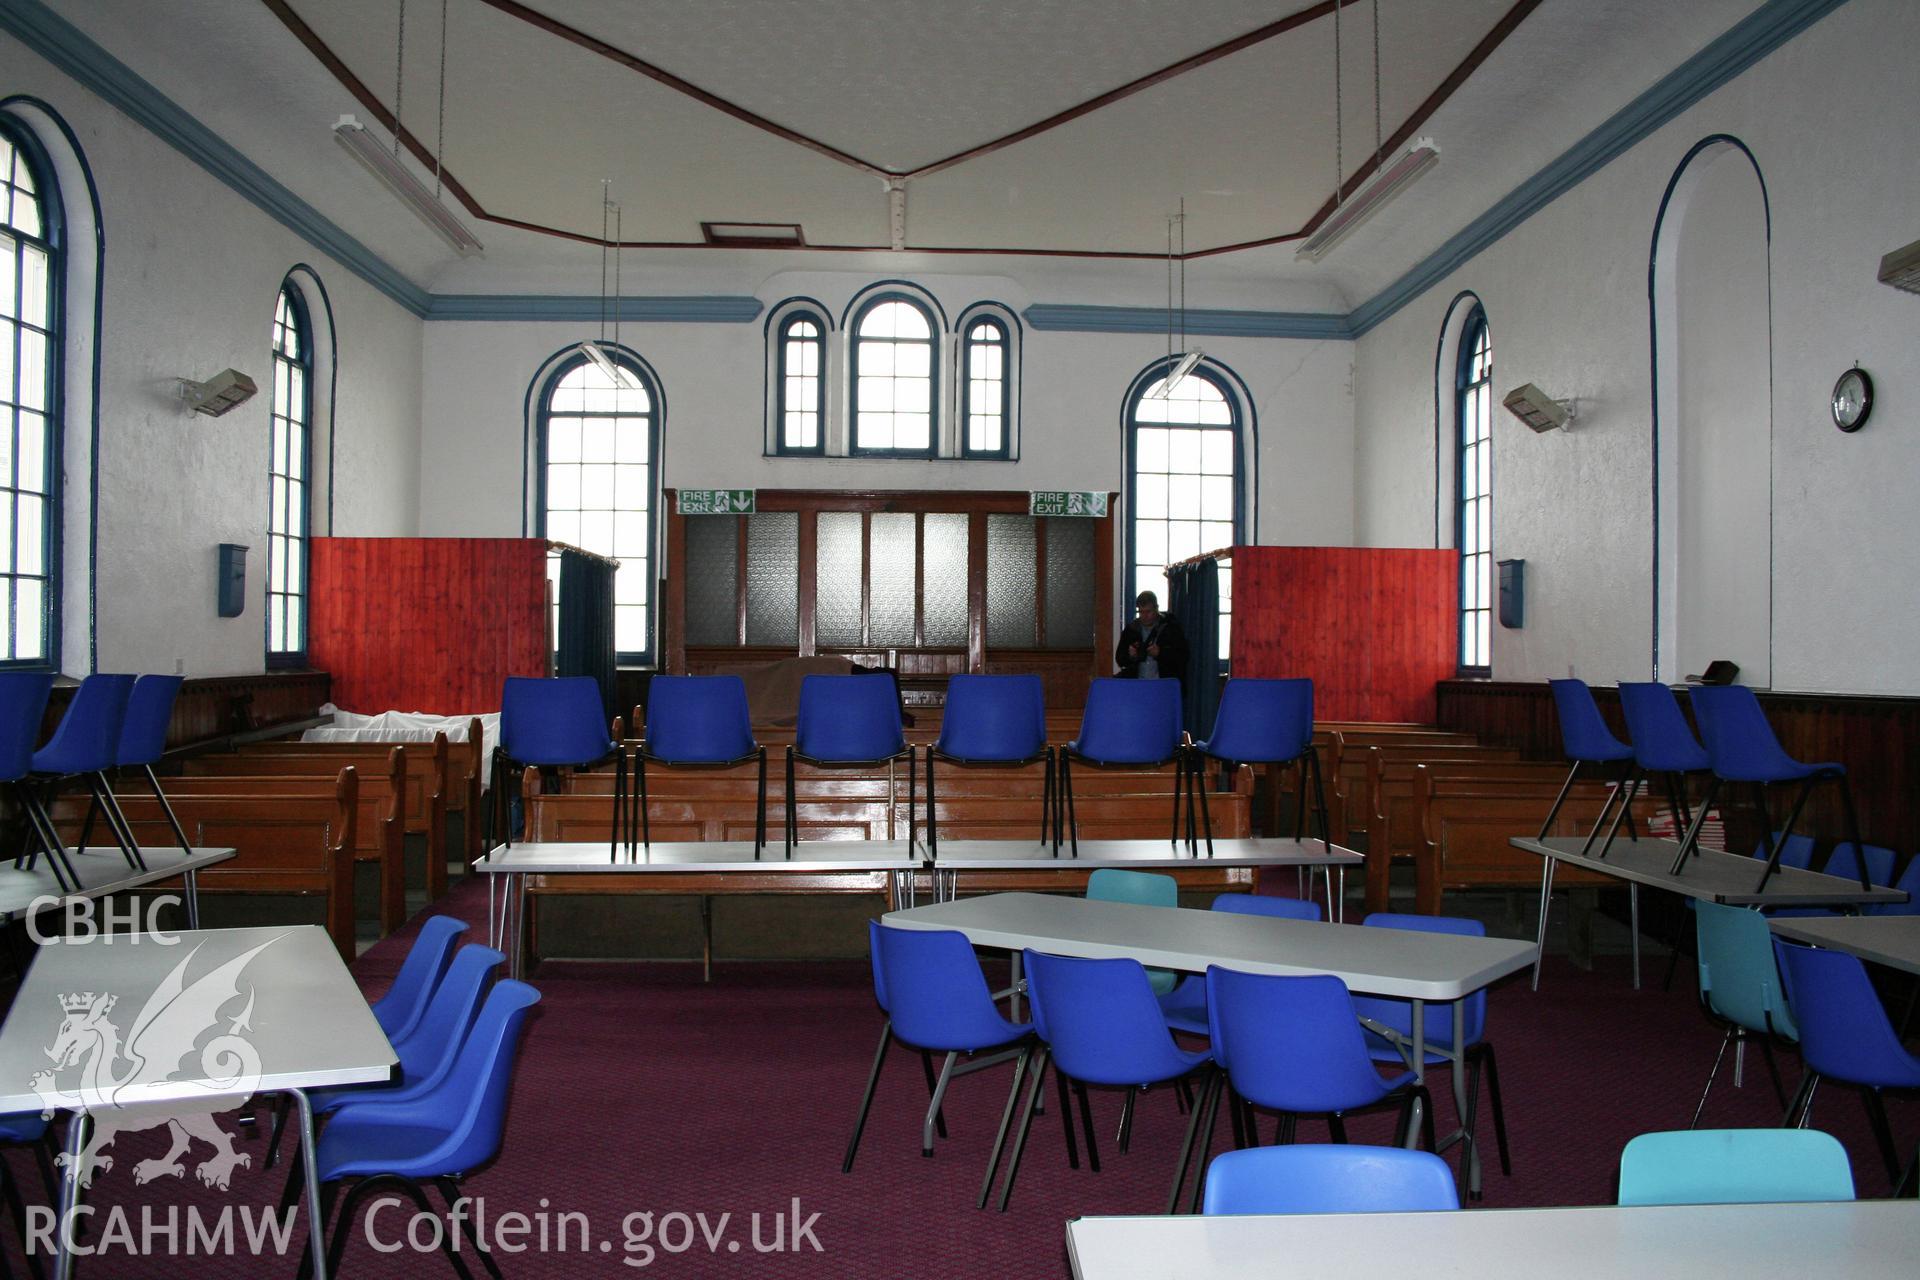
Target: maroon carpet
column 642, row 1090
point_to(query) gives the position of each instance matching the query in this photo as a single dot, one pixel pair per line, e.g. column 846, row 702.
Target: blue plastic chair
column 1663, row 745
column 848, row 722
column 1734, row 1166
column 994, row 722
column 1266, row 722
column 1185, row 1007
column 1294, row 1045
column 437, row 1137
column 1744, row 750
column 23, row 705
column 1316, row 1178
column 1845, row 1035
column 1099, row 1024
column 1908, row 883
column 398, row 1012
column 1396, row 1018
column 1740, row 986
column 700, row 722
column 1585, row 739
column 555, row 724
column 1795, row 850
column 1142, row 888
column 143, row 740
column 86, row 745
column 1129, row 724
column 936, row 1000
column 1845, row 863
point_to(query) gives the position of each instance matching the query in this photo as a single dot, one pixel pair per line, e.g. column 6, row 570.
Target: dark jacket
column 1173, row 648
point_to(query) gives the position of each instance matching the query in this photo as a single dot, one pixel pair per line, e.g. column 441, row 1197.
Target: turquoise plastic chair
column 1734, row 1166
column 1146, row 888
column 1740, row 985
column 1316, row 1178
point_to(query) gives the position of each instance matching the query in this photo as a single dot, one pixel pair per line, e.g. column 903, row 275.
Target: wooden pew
column 1386, row 799
column 1467, row 818
column 291, row 844
column 380, row 822
column 1356, row 802
column 461, row 791
column 425, row 781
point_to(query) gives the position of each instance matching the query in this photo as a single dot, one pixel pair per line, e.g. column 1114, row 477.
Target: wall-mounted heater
column 1901, row 268
column 397, row 178
column 1386, row 183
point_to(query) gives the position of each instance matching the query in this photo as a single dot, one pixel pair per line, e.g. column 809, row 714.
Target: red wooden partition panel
column 1373, row 626
column 426, row 624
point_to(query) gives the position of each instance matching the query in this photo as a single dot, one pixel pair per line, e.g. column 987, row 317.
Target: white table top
column 1386, row 962
column 1022, row 855
column 101, row 871
column 594, row 858
column 1890, row 940
column 292, row 1001
column 1712, row 876
column 1863, row 1238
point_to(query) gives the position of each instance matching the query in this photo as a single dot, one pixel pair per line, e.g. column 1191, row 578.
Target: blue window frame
column 289, row 480
column 986, row 389
column 895, row 375
column 31, row 309
column 598, row 478
column 800, row 383
column 1184, row 490
column 1473, row 493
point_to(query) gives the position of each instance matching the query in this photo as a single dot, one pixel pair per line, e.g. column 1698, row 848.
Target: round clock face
column 1852, row 400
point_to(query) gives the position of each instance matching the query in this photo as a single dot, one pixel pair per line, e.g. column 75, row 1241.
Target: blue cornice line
column 715, row 309
column 1742, row 45
column 1065, row 318
column 73, row 52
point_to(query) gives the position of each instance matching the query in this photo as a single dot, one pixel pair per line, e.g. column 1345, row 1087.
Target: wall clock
column 1852, row 399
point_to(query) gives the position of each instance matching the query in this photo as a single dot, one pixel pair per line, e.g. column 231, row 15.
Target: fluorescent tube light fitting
column 615, row 372
column 397, row 178
column 1386, row 183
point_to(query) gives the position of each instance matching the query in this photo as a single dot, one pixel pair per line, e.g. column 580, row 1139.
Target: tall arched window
column 289, row 479
column 801, row 383
column 599, row 448
column 1183, row 481
column 1473, row 494
column 895, row 371
column 30, row 350
column 985, row 389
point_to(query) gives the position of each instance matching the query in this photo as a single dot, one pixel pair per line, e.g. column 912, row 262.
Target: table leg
column 493, row 920
column 1546, row 893
column 1013, row 991
column 1460, row 1096
column 193, row 899
column 1633, row 911
column 1340, row 908
column 69, row 1196
column 310, row 1160
column 1419, row 1067
column 519, row 891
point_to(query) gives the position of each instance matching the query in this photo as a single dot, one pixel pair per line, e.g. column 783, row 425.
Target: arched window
column 1183, row 481
column 31, row 272
column 599, row 447
column 800, row 383
column 1473, row 493
column 895, row 371
column 985, row 388
column 289, row 482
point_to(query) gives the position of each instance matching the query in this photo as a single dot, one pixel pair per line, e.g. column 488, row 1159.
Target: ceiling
column 1039, row 139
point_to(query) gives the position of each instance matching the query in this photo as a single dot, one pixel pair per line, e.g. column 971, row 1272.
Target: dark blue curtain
column 1193, row 598
column 586, row 622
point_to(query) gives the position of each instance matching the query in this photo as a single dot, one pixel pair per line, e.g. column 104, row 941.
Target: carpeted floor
column 643, row 1091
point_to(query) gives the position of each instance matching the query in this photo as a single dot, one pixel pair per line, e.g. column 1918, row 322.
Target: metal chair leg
column 1211, row 1097
column 933, row 826
column 934, row 1114
column 760, row 806
column 1086, row 1123
column 1124, row 1137
column 1186, row 1158
column 1006, row 1121
column 1882, row 1132
column 1041, row 1054
column 866, row 1098
column 1073, row 819
column 1065, row 1100
column 933, row 1089
column 793, row 807
column 1560, row 799
column 640, row 785
column 1732, row 1033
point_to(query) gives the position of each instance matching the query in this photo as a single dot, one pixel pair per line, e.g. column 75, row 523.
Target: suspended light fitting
column 596, row 349
column 1178, row 367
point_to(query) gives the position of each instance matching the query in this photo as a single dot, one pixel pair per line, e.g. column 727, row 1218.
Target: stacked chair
column 553, row 724
column 993, row 722
column 1266, row 722
column 1128, row 724
column 699, row 722
column 847, row 722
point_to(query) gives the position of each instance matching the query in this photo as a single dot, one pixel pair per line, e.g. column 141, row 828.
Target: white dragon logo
column 166, row 1031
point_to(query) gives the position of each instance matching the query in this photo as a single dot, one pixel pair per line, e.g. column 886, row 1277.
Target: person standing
column 1152, row 647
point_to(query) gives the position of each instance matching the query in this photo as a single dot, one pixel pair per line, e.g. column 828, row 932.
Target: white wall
column 1073, row 385
column 191, row 275
column 1827, row 117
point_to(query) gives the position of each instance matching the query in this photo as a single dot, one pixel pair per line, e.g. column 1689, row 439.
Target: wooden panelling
column 427, row 624
column 1877, row 738
column 1373, row 627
